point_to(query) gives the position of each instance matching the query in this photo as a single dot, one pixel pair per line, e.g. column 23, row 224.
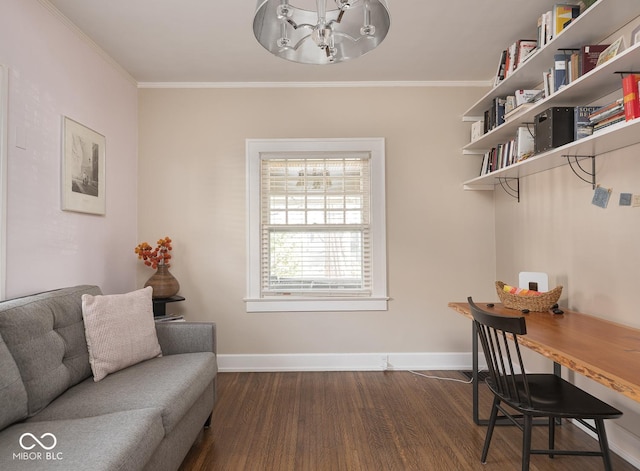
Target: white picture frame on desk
column 83, row 169
column 536, row 281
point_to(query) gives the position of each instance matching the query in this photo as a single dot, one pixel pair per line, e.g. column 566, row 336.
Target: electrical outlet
column 635, row 201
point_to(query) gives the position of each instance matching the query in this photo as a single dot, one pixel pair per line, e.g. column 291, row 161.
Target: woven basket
column 539, row 303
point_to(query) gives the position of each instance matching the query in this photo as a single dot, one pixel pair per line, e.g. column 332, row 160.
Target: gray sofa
column 54, row 416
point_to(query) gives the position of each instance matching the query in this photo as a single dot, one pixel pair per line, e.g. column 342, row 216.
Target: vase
column 163, row 283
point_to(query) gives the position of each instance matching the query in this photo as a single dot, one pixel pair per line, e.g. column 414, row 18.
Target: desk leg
column 474, row 372
column 557, row 370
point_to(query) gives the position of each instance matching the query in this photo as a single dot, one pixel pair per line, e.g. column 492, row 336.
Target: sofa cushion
column 45, row 335
column 13, row 395
column 120, row 441
column 120, row 330
column 171, row 383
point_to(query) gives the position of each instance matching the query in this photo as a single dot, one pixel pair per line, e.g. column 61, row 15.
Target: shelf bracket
column 506, row 184
column 591, row 175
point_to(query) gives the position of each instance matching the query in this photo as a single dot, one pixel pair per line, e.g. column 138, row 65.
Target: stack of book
column 631, row 96
column 585, row 60
column 582, row 125
column 550, row 25
column 561, row 70
column 511, row 58
column 498, row 157
column 510, row 152
column 553, row 22
column 477, row 130
column 572, row 63
column 525, row 137
column 607, row 115
column 494, row 116
column 521, row 100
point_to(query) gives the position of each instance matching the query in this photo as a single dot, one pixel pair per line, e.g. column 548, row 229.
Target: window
column 316, row 234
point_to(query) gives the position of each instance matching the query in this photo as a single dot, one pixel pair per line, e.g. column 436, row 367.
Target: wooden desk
column 602, row 350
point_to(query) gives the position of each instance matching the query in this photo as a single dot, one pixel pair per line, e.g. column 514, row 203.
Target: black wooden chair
column 533, row 395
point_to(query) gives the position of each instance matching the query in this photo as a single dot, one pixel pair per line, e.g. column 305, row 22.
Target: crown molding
column 392, row 84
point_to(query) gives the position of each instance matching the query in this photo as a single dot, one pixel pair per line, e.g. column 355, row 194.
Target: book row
column 571, row 64
column 558, row 126
column 510, row 152
column 550, row 24
column 503, row 108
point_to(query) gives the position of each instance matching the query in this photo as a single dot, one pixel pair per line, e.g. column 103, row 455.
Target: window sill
column 299, row 304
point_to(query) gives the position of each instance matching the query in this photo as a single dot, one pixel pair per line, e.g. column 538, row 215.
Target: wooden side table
column 160, row 305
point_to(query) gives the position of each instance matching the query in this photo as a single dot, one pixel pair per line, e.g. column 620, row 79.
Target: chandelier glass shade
column 320, row 31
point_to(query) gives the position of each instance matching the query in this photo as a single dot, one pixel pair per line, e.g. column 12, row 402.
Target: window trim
column 378, row 301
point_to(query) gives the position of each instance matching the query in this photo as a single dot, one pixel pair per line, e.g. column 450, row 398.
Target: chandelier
column 321, row 36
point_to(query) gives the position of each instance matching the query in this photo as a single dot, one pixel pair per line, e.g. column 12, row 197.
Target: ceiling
column 212, row 40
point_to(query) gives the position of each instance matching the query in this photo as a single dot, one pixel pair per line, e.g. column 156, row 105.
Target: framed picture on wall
column 83, row 168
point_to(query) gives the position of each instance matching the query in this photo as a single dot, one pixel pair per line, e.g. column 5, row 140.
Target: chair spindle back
column 506, row 367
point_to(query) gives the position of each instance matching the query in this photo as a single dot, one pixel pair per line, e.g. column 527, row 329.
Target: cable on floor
column 417, row 373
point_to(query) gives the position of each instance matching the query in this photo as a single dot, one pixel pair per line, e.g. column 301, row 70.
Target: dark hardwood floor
column 366, row 421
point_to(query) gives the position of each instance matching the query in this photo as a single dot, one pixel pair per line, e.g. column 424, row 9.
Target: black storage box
column 554, row 128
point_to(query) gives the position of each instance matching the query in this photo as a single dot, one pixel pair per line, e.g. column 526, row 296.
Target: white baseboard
column 622, row 442
column 345, row 362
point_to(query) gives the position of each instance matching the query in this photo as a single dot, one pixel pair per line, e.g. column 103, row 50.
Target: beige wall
column 443, row 243
column 591, row 251
column 440, row 238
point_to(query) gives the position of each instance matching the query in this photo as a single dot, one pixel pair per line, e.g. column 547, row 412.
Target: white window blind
column 315, row 224
column 316, row 238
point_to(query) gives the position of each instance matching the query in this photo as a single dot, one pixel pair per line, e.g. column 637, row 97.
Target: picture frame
column 635, row 35
column 83, row 168
column 610, row 52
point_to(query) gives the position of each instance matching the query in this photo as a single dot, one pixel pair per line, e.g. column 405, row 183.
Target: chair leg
column 604, row 444
column 526, row 442
column 552, row 435
column 492, row 424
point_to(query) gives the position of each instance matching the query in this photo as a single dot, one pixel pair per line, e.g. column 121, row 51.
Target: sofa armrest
column 186, row 337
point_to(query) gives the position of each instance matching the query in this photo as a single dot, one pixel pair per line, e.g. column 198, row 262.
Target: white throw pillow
column 120, row 330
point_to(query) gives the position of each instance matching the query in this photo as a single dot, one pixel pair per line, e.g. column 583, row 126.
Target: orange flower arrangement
column 158, row 256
